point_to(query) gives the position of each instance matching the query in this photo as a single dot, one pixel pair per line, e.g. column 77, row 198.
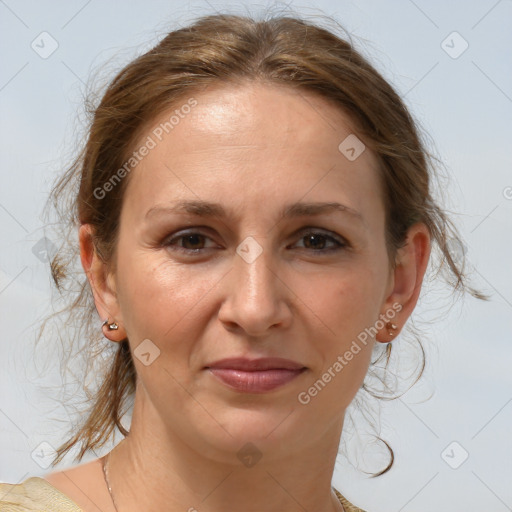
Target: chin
column 259, row 431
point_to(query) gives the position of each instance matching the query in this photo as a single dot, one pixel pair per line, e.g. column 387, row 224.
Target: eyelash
column 341, row 244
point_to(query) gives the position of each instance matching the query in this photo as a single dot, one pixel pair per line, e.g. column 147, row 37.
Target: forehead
column 263, row 142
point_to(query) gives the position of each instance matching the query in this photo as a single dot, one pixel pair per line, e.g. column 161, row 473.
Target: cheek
column 346, row 307
column 345, row 303
column 157, row 297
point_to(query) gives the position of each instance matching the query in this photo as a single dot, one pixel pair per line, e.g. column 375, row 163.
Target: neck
column 183, row 476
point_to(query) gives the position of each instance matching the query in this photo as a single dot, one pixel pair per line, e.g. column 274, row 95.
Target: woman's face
column 228, row 248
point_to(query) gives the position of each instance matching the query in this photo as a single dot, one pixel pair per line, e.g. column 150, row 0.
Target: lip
column 264, row 363
column 255, row 375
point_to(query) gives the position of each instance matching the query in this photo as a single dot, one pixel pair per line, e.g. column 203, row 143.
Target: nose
column 256, row 295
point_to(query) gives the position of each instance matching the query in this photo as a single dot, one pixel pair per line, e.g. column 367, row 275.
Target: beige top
column 35, row 494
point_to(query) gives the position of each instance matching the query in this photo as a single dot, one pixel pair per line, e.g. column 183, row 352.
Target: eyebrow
column 207, row 209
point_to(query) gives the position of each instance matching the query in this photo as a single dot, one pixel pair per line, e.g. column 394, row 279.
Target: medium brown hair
column 223, row 50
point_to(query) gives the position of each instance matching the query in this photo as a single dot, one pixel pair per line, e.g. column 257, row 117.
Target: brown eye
column 315, row 241
column 321, row 242
column 193, row 241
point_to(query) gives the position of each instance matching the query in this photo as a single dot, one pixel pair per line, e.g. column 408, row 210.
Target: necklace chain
column 106, row 460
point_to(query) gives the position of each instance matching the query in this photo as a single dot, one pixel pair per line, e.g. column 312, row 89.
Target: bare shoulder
column 79, row 476
column 84, row 484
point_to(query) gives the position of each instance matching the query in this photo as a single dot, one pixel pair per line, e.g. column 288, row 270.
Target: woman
column 255, row 214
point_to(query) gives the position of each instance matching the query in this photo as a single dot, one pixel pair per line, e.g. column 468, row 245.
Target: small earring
column 389, row 325
column 111, row 327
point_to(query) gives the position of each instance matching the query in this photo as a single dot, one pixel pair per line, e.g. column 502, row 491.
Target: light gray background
column 465, row 103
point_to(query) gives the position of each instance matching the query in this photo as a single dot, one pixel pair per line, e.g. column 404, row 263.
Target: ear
column 405, row 281
column 102, row 284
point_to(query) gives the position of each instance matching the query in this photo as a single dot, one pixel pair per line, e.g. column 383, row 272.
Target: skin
column 252, row 148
